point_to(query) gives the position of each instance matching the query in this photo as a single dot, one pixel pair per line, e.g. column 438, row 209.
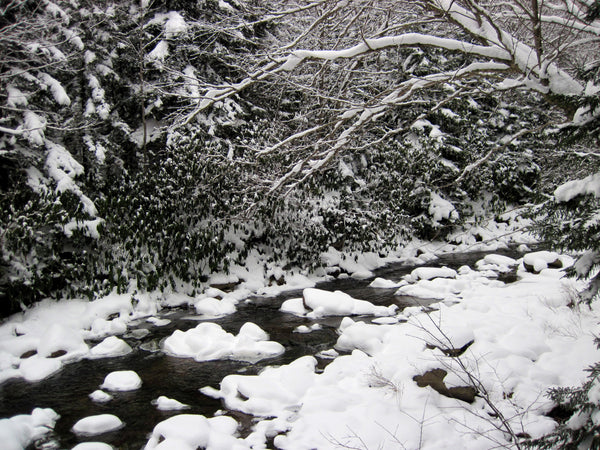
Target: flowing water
column 67, row 391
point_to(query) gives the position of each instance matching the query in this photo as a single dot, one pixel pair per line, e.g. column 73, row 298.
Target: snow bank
column 318, row 303
column 99, row 424
column 37, row 343
column 122, row 380
column 517, row 339
column 18, row 432
column 208, row 341
column 189, row 431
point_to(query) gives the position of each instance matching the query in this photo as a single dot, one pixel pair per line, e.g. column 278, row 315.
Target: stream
column 67, row 391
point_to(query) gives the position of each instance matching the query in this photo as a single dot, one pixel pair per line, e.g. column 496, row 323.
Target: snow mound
column 190, row 431
column 163, row 403
column 382, row 283
column 100, row 396
column 110, row 347
column 208, row 341
column 497, row 263
column 213, row 307
column 18, row 432
column 99, row 424
column 275, row 390
column 538, row 261
column 122, row 380
column 93, row 446
column 428, row 273
column 318, row 303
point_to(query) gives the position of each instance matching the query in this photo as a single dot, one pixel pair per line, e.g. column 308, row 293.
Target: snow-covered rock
column 99, row 396
column 168, row 404
column 110, row 347
column 317, row 303
column 122, row 380
column 190, row 431
column 18, row 432
column 208, row 341
column 99, row 424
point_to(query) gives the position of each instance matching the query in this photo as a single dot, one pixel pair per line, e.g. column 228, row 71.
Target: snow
column 122, row 380
column 93, row 446
column 99, row 424
column 163, row 403
column 441, row 209
column 190, row 431
column 18, row 432
column 174, row 25
column 541, row 260
column 498, row 263
column 522, row 338
column 100, row 396
column 225, row 6
column 382, row 283
column 160, row 52
column 58, row 92
column 34, row 127
column 208, row 341
column 428, row 273
column 574, row 188
column 212, row 307
column 63, row 168
column 110, row 347
column 16, row 98
column 317, row 303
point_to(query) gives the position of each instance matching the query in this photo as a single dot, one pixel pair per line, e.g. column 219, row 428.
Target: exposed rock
column 57, row 354
column 435, row 379
column 452, row 352
column 28, row 354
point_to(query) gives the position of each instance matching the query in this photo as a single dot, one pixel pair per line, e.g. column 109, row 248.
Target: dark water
column 67, row 391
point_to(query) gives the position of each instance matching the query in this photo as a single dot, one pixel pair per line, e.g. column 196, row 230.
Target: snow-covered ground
column 498, row 347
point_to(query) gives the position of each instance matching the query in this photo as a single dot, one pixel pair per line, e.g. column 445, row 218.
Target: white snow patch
column 34, row 127
column 58, row 92
column 16, row 98
column 160, row 52
column 574, row 188
column 441, row 209
column 175, row 25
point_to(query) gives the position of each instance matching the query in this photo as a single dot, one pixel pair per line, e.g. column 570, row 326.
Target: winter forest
column 408, row 189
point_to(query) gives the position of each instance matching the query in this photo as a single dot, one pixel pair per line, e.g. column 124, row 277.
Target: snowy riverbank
column 468, row 371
